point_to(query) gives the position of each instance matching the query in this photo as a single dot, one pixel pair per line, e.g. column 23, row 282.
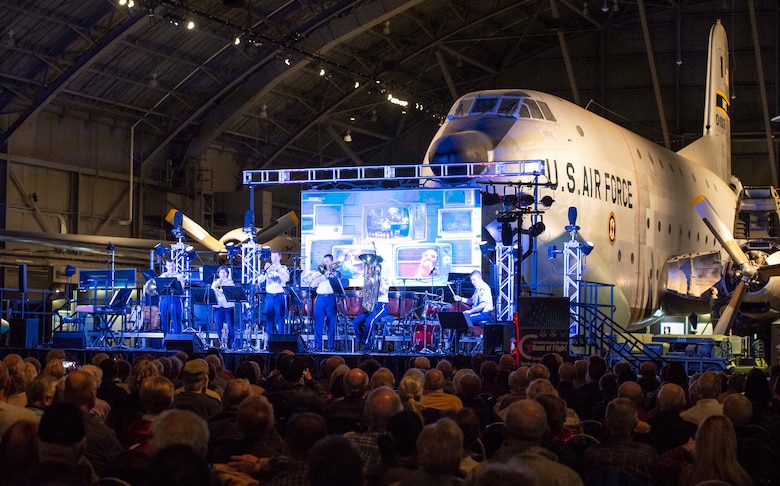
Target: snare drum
column 401, row 304
column 425, row 336
column 352, row 304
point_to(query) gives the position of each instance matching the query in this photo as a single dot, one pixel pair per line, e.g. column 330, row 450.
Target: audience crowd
column 187, row 420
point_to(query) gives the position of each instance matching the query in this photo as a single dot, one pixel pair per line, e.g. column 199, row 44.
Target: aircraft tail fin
column 713, row 149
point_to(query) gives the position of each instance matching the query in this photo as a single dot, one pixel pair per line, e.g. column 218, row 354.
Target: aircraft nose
column 465, row 146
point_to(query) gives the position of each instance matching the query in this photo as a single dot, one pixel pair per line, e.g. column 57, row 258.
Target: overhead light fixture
column 348, row 136
column 373, row 115
column 397, row 101
column 386, row 28
column 323, row 72
column 357, row 84
column 153, row 82
column 190, row 24
column 605, row 7
column 237, row 40
column 288, row 61
column 263, row 112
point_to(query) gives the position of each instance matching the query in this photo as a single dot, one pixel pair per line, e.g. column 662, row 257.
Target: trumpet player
column 376, row 289
column 275, row 275
column 223, row 310
column 325, row 304
column 171, row 306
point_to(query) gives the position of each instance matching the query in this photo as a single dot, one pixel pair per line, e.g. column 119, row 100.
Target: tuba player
column 375, row 306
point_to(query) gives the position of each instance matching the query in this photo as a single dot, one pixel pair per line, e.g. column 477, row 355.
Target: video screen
column 421, row 235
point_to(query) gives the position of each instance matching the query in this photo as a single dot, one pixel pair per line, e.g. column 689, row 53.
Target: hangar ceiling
column 280, row 83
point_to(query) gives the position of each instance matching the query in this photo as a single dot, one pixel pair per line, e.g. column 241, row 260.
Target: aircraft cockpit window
column 462, row 109
column 535, row 111
column 508, row 106
column 483, row 105
column 524, row 112
column 546, row 110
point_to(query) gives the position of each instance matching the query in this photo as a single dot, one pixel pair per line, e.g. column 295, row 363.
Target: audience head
column 381, row 404
column 142, row 369
column 539, row 386
column 195, row 375
column 620, row 417
column 597, row 367
column 506, row 363
column 671, row 397
column 335, row 460
column 647, row 369
column 738, row 409
column 468, row 422
column 302, row 431
column 235, row 392
column 403, row 429
column 434, row 380
column 255, row 416
column 423, row 363
column 446, row 368
column 156, row 394
column 709, row 385
column 757, row 387
column 525, row 421
column 556, row 410
column 566, row 373
column 42, row 391
column 179, row 427
column 440, row 447
column 633, row 391
column 382, row 377
column 355, row 383
column 80, row 390
column 61, row 434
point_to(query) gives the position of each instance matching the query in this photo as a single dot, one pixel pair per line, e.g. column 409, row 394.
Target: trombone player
column 375, row 301
column 325, row 303
column 275, row 275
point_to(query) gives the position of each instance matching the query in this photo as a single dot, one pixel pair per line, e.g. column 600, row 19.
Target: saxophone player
column 275, row 275
column 375, row 306
column 223, row 310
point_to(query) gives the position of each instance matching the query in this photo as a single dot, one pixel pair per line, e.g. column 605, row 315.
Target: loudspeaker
column 186, row 342
column 22, row 278
column 68, row 339
column 279, row 342
column 498, row 337
column 23, row 333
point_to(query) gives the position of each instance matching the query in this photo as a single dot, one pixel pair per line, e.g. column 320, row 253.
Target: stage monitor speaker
column 279, row 342
column 187, row 342
column 498, row 338
column 24, row 333
column 68, row 340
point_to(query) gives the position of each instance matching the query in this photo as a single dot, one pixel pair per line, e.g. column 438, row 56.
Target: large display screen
column 422, row 235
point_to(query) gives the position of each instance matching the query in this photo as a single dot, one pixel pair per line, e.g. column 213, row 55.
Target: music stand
column 454, row 320
column 168, row 286
column 235, row 293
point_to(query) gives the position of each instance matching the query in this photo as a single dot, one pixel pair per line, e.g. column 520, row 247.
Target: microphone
column 434, row 270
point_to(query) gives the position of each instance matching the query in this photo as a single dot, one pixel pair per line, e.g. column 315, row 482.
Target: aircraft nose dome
column 465, row 146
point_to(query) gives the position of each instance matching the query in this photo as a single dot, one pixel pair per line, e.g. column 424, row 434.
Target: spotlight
column 348, row 136
column 507, row 234
column 547, row 201
column 323, row 72
column 357, row 84
column 190, row 25
column 237, row 40
column 536, row 229
column 490, row 198
column 486, row 248
column 160, row 250
column 386, row 28
column 70, row 271
column 265, row 252
column 525, row 199
column 288, row 61
column 587, row 247
column 191, row 253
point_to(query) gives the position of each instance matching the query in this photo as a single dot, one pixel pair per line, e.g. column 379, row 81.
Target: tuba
column 371, row 281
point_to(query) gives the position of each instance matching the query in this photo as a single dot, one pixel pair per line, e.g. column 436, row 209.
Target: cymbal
column 371, row 258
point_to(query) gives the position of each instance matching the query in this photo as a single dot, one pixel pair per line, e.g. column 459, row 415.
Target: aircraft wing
column 80, row 243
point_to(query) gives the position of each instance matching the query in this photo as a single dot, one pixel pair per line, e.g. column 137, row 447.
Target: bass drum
column 151, row 318
column 352, row 304
column 425, row 336
column 401, row 304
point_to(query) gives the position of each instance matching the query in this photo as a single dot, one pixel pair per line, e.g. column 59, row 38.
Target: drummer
column 481, row 302
column 365, row 323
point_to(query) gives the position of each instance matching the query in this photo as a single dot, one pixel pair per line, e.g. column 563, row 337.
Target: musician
column 481, row 302
column 275, row 275
column 171, row 306
column 223, row 309
column 325, row 304
column 428, row 261
column 365, row 322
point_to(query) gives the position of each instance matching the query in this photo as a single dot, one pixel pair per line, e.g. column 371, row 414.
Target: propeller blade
column 729, row 315
column 769, row 270
column 707, row 213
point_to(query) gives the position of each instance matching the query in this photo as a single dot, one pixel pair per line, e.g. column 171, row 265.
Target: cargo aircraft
column 634, row 200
